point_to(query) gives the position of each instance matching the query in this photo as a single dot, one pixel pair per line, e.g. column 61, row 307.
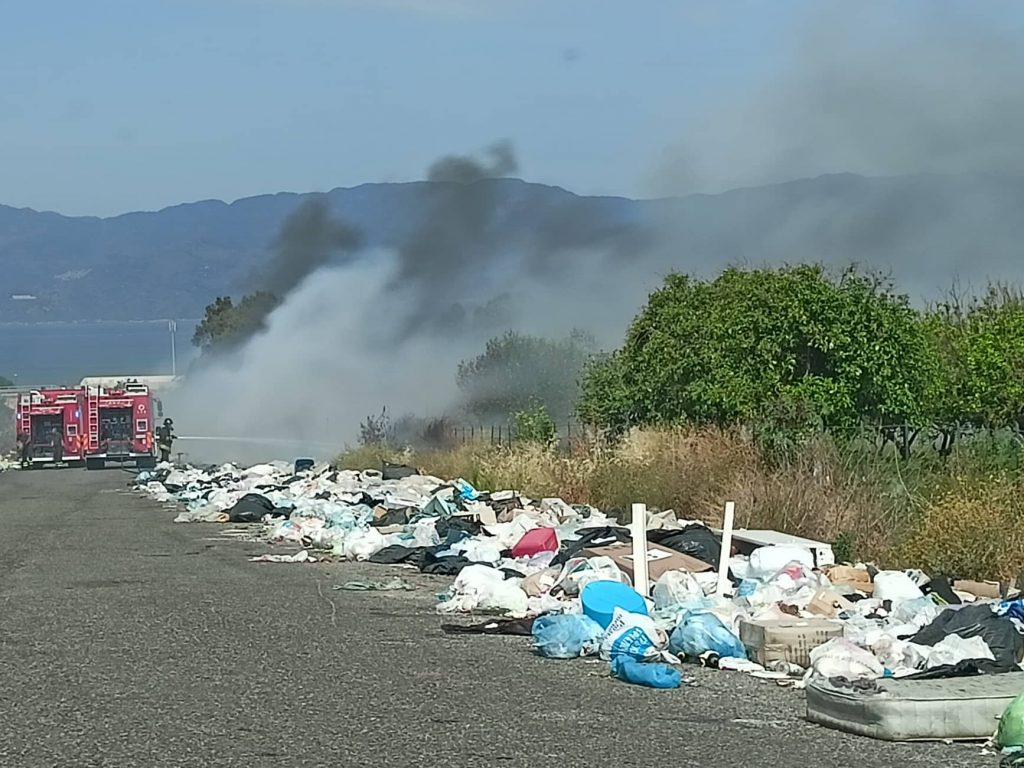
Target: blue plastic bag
column 466, row 490
column 566, row 635
column 651, row 675
column 1013, row 609
column 698, row 633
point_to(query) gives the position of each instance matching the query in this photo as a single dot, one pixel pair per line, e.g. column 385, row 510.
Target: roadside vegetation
column 824, row 405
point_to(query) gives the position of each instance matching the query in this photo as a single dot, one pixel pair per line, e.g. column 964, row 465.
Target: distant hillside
column 172, row 262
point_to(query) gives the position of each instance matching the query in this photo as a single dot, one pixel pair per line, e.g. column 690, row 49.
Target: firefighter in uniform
column 25, row 449
column 164, row 439
column 57, row 446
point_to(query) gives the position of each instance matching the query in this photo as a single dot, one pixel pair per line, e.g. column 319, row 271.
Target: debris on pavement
column 564, row 575
column 299, row 557
column 394, row 585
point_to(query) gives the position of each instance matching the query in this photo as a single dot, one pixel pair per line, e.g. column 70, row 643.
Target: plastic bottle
column 791, row 669
column 650, row 675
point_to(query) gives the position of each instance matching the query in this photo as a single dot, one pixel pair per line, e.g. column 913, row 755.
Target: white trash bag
column 841, row 658
column 895, row 586
column 633, row 635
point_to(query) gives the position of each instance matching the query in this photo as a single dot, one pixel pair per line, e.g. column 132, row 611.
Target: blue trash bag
column 698, row 633
column 650, row 675
column 1013, row 609
column 566, row 635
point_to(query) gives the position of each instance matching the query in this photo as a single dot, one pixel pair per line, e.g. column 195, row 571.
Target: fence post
column 723, row 560
column 641, row 583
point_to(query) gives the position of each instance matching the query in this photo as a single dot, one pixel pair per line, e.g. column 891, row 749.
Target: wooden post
column 641, row 583
column 723, row 560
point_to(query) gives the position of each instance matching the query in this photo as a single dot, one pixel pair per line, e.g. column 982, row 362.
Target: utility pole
column 172, row 326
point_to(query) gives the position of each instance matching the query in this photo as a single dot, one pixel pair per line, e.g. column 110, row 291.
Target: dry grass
column 942, row 516
column 974, row 530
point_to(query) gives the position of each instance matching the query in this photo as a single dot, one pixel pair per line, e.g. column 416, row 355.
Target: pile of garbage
column 783, row 612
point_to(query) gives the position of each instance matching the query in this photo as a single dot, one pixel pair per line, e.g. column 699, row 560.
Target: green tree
column 226, row 325
column 534, row 425
column 752, row 345
column 978, row 349
column 517, row 372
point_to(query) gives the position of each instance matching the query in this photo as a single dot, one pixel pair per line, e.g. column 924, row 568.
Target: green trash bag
column 1011, row 725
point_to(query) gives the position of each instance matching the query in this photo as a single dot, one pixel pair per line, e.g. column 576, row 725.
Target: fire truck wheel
column 94, row 464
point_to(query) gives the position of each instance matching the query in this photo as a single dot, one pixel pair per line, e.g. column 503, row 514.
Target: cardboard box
column 659, row 559
column 828, row 603
column 987, row 589
column 791, row 640
column 848, row 576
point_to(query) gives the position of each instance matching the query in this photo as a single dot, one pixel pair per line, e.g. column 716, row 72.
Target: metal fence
column 499, row 434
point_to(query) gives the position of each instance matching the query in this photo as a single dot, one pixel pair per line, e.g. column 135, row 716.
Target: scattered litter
column 298, row 557
column 649, row 675
column 566, row 635
column 516, row 627
column 394, row 585
column 856, row 638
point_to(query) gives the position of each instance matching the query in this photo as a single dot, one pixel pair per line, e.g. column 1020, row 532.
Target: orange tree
column 821, row 350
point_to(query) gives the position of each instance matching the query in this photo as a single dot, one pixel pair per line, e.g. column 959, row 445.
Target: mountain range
column 926, row 230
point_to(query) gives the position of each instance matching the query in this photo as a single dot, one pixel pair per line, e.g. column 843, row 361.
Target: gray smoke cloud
column 309, row 239
column 872, row 88
column 452, row 241
column 919, row 97
column 389, row 327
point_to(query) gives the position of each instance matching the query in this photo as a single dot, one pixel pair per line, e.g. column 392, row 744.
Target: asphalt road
column 128, row 640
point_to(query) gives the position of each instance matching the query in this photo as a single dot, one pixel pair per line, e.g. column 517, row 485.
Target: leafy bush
column 517, row 371
column 729, row 350
column 534, row 425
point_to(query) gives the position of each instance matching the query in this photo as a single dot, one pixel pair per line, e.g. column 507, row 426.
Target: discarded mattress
column 959, row 708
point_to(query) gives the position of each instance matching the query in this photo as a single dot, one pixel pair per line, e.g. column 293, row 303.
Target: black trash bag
column 251, row 508
column 516, row 627
column 391, row 471
column 943, row 587
column 391, row 517
column 591, row 537
column 396, row 553
column 999, row 633
column 965, row 668
column 450, row 565
column 453, row 529
column 694, row 540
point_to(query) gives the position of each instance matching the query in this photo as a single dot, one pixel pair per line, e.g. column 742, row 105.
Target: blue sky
column 115, row 105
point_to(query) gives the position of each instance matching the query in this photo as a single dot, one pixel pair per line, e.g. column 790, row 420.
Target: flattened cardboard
column 828, row 603
column 847, row 576
column 659, row 559
column 987, row 589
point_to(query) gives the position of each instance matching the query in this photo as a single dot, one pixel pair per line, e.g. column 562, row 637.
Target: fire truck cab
column 119, row 425
column 50, row 415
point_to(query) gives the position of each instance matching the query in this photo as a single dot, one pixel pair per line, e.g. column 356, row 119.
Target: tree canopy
column 978, row 345
column 518, row 372
column 845, row 350
column 226, row 325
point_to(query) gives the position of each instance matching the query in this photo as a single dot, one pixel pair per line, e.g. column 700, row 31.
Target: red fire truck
column 49, row 417
column 118, row 425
